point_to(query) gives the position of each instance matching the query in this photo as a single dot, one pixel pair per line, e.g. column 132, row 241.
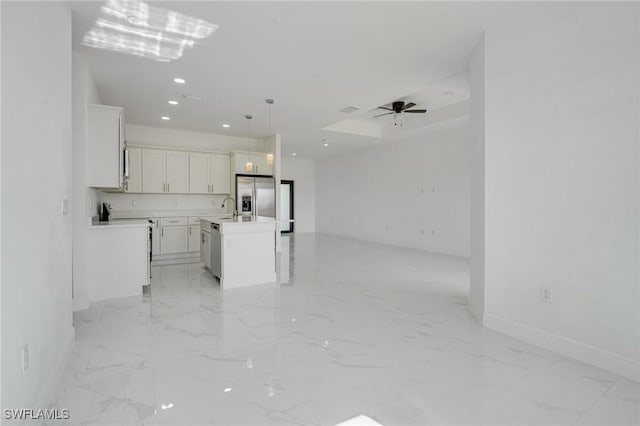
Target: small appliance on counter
column 105, row 212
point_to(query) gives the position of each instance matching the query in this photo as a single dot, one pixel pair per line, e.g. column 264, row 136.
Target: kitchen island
column 240, row 250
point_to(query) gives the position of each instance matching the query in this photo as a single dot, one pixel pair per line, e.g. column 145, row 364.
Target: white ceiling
column 313, row 58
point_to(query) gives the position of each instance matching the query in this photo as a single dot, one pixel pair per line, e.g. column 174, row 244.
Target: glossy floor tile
column 359, row 329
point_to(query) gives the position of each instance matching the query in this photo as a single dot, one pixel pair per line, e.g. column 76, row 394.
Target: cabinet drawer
column 173, row 221
column 195, row 220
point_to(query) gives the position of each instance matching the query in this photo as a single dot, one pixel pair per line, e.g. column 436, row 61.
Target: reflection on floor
column 360, row 328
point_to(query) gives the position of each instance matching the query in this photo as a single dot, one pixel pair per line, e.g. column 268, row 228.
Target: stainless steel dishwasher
column 216, row 250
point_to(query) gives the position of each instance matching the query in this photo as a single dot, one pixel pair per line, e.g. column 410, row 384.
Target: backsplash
column 160, row 202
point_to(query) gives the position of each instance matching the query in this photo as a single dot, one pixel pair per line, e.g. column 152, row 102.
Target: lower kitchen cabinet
column 194, row 238
column 174, row 239
column 155, row 236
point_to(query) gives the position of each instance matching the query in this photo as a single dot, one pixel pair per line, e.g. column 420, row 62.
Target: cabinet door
column 153, row 170
column 194, row 238
column 155, row 238
column 260, row 164
column 220, row 174
column 173, row 239
column 205, row 248
column 199, row 173
column 134, row 184
column 177, row 172
column 240, row 161
column 103, row 146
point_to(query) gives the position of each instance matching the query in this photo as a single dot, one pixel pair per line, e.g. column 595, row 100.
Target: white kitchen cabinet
column 134, row 183
column 155, row 237
column 153, row 171
column 174, row 239
column 258, row 159
column 106, row 147
column 177, row 172
column 199, row 173
column 220, row 174
column 194, row 238
column 165, row 171
column 208, row 173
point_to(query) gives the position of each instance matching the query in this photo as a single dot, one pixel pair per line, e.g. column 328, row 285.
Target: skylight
column 135, row 28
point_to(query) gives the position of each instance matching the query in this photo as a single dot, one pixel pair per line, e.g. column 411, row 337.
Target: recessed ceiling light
column 448, row 93
column 326, row 144
column 226, row 126
column 294, row 154
column 173, row 102
column 179, row 80
column 164, row 117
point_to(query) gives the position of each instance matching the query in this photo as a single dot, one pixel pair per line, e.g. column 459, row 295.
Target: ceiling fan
column 399, row 107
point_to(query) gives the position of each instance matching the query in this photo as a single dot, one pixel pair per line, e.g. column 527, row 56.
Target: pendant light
column 269, row 154
column 248, row 167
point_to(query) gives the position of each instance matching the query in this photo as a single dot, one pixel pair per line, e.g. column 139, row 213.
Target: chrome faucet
column 235, row 212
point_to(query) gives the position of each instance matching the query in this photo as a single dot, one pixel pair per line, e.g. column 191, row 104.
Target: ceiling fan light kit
column 399, row 108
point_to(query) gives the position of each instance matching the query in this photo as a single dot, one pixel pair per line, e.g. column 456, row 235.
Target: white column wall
column 36, row 177
column 302, row 172
column 561, row 186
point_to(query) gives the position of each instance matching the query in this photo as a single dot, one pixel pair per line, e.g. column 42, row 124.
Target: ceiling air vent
column 349, row 109
column 193, row 98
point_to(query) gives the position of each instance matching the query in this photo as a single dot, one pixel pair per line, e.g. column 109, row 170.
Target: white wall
column 303, row 173
column 164, row 202
column 159, row 136
column 84, row 199
column 477, row 121
column 561, row 184
column 36, row 176
column 411, row 193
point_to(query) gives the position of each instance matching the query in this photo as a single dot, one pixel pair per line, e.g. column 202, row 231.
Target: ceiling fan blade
column 409, row 105
column 419, row 111
column 387, row 113
column 388, row 109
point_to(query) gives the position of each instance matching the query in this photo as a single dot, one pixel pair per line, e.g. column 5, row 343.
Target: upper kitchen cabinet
column 134, row 183
column 258, row 159
column 208, row 173
column 177, row 172
column 107, row 166
column 165, row 171
column 153, row 170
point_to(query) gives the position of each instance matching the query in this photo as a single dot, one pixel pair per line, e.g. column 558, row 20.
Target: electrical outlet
column 65, row 206
column 134, row 203
column 545, row 294
column 25, row 358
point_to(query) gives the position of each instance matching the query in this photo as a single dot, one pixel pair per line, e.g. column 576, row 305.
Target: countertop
column 148, row 214
column 120, row 223
column 227, row 220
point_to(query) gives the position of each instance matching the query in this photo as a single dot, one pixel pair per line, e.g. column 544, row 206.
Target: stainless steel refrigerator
column 255, row 196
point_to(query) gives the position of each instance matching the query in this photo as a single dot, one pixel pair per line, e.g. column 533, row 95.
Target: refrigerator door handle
column 255, row 201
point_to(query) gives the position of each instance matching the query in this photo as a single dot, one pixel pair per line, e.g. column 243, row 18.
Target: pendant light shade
column 248, row 167
column 269, row 102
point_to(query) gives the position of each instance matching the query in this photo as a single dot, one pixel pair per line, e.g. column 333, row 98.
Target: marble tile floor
column 360, row 329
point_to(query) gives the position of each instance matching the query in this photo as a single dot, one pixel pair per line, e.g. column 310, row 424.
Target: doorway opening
column 286, row 207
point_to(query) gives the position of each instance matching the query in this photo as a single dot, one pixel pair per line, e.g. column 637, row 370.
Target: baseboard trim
column 55, row 371
column 565, row 346
column 80, row 304
column 476, row 313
